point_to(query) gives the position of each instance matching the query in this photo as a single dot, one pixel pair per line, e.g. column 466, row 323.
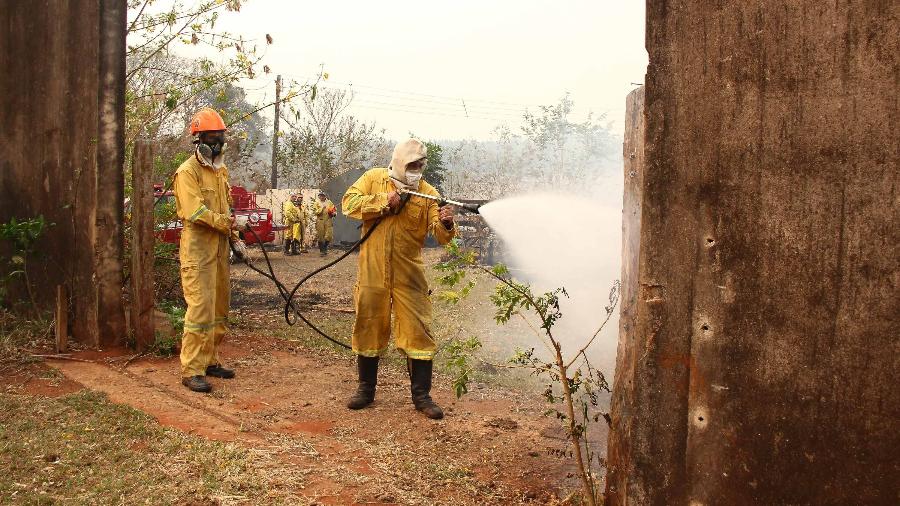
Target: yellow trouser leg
column 372, row 328
column 198, row 342
column 297, row 234
column 412, row 322
column 223, row 301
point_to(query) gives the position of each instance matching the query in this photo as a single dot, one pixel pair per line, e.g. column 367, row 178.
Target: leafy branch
column 580, row 386
column 23, row 236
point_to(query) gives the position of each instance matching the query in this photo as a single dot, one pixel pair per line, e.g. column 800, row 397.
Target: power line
column 426, row 113
column 462, row 112
column 424, row 103
column 454, row 100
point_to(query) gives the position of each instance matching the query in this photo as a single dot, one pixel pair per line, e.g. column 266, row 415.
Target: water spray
column 472, row 208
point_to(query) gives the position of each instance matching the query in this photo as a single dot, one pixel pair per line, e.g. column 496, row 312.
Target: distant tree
column 435, row 171
column 323, row 140
column 572, row 148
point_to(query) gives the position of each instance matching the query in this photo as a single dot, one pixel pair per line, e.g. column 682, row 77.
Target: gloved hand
column 240, row 249
column 239, row 222
column 446, row 216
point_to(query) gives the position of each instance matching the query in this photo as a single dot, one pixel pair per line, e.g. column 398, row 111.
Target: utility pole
column 275, row 133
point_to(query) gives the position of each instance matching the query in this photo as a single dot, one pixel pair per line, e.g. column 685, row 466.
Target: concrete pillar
column 50, row 132
column 760, row 365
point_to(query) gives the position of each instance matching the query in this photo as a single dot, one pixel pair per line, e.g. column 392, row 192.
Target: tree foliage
column 323, row 140
column 22, row 236
column 435, row 170
column 549, row 150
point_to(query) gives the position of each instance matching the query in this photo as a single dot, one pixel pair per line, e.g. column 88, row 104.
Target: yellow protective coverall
column 292, row 218
column 391, row 272
column 324, row 225
column 203, row 203
column 300, row 226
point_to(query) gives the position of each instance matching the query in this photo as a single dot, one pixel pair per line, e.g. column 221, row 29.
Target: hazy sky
column 412, row 64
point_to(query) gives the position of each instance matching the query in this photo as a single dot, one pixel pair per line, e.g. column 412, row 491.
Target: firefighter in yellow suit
column 391, row 274
column 203, row 203
column 300, row 226
column 324, row 210
column 293, row 220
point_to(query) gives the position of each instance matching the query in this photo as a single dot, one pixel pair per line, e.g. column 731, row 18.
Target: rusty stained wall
column 763, row 360
column 621, row 403
column 49, row 135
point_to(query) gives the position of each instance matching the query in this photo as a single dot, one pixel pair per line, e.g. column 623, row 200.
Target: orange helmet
column 206, row 120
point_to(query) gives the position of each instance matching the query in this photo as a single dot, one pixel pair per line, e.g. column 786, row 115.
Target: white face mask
column 413, row 177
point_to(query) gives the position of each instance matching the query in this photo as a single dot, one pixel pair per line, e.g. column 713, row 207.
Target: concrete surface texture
column 762, row 362
column 61, row 64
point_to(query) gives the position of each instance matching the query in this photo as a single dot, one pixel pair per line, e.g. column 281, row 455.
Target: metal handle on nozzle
column 472, row 208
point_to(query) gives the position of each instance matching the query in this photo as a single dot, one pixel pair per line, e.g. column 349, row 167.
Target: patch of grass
column 164, row 346
column 336, row 325
column 19, row 334
column 447, row 472
column 83, row 449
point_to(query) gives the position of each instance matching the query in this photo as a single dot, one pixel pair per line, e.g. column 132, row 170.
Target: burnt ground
column 494, row 446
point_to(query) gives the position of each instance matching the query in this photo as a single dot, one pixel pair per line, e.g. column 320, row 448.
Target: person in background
column 291, row 217
column 325, row 212
column 300, row 226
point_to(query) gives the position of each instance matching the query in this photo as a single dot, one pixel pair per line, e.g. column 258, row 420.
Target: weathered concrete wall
column 49, row 135
column 762, row 364
column 622, row 402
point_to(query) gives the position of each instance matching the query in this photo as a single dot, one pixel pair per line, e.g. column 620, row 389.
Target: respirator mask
column 413, row 177
column 211, row 145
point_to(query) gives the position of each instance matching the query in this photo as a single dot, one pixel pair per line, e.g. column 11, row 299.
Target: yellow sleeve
column 234, row 235
column 290, row 213
column 435, row 227
column 360, row 204
column 191, row 207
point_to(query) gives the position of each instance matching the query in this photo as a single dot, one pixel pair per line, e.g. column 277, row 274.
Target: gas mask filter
column 211, row 146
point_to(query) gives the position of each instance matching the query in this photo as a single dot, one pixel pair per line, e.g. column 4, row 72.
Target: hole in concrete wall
column 699, row 419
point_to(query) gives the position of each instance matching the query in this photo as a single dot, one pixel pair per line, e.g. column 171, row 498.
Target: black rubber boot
column 420, row 372
column 197, row 384
column 219, row 372
column 295, row 247
column 368, row 378
column 287, row 246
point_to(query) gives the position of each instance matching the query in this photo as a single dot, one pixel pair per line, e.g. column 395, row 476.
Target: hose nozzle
column 472, row 208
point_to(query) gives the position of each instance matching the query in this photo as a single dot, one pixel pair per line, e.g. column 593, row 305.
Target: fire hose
column 290, row 309
column 288, row 297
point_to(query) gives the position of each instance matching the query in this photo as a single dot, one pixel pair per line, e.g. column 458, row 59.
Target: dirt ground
column 493, row 447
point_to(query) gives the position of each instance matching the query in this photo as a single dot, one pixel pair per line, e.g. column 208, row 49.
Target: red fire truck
column 244, row 202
